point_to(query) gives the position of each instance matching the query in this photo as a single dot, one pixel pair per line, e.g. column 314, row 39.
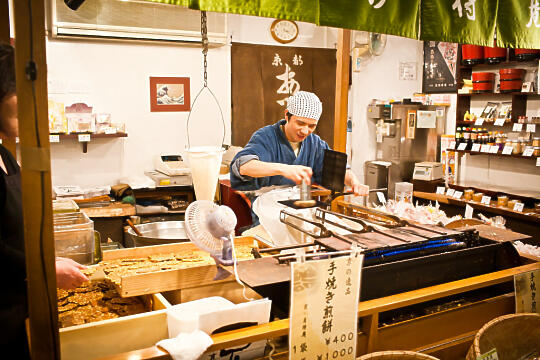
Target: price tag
column 500, row 121
column 54, row 138
column 490, row 355
column 494, row 149
column 0, row 141
column 486, row 200
column 379, row 138
column 531, row 127
column 462, row 146
column 475, row 147
column 440, row 189
column 517, row 127
column 468, row 211
column 457, row 194
column 507, row 150
column 381, row 198
column 110, row 130
column 84, row 137
column 485, row 148
column 452, row 145
column 528, row 151
column 479, row 121
column 538, row 161
column 518, row 207
column 450, row 192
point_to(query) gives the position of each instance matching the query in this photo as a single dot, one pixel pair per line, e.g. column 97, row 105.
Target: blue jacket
column 269, row 144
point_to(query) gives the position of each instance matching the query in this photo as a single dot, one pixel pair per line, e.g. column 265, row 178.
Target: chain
column 204, row 33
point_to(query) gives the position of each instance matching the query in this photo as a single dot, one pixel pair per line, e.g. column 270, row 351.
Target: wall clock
column 284, row 31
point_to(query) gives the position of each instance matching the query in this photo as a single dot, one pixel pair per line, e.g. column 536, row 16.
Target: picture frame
column 440, row 68
column 169, row 94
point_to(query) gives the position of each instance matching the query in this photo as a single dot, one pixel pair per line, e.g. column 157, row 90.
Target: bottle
column 474, row 136
column 458, row 136
column 467, row 138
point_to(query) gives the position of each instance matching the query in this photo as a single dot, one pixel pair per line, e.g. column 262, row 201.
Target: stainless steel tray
column 157, row 233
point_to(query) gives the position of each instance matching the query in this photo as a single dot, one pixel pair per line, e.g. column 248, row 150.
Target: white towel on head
column 187, row 346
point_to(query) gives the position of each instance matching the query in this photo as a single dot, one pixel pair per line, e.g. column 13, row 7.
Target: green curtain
column 518, row 24
column 459, row 21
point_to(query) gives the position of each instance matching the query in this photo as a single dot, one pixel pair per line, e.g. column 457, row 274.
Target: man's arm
column 352, row 181
column 256, row 169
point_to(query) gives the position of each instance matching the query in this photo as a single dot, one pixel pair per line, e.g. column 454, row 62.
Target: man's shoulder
column 316, row 140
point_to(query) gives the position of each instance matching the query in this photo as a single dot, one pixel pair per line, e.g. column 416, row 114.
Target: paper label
column 457, row 194
column 475, row 147
column 486, row 200
column 490, row 355
column 527, row 285
column 468, row 211
column 494, row 149
column 538, row 161
column 379, row 138
column 381, row 198
column 500, row 121
column 452, row 145
column 518, row 207
column 84, row 137
column 531, row 127
column 479, row 121
column 517, row 127
column 440, row 189
column 528, row 151
column 110, row 130
column 507, row 150
column 485, row 148
column 450, row 192
column 462, row 146
column 54, row 138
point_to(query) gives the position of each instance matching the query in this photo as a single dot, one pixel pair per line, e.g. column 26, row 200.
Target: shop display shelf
column 92, row 136
column 497, row 155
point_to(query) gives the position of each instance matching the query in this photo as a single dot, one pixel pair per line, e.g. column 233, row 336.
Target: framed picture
column 440, row 67
column 169, row 94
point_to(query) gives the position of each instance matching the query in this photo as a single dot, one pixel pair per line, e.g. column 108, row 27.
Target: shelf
column 92, row 136
column 531, row 94
column 511, row 63
column 496, row 155
column 471, row 123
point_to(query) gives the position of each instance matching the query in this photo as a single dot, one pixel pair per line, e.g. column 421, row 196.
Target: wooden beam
column 4, row 38
column 36, row 178
column 342, row 90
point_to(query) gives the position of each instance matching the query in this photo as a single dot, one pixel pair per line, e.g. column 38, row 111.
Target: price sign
column 381, row 198
column 518, row 207
column 452, row 145
column 538, row 161
column 379, row 138
column 462, row 146
column 517, row 127
column 450, row 192
column 479, row 121
column 486, row 200
column 528, row 151
column 110, row 130
column 494, row 149
column 468, row 211
column 490, row 355
column 500, row 121
column 84, row 137
column 531, row 128
column 507, row 150
column 54, row 138
column 440, row 189
column 458, row 194
column 485, row 148
column 475, row 147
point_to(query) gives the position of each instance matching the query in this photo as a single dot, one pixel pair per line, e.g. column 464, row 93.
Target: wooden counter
column 112, row 210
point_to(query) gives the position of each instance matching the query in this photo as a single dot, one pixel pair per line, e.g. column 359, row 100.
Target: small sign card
column 452, row 145
column 527, row 285
column 500, row 121
column 84, row 137
column 450, row 192
column 110, row 130
column 462, row 146
column 475, row 147
column 486, row 200
column 494, row 149
column 381, row 198
column 485, row 148
column 518, row 207
column 54, row 138
column 468, row 211
column 531, row 128
column 457, row 194
column 507, row 150
column 440, row 189
column 490, row 355
column 479, row 121
column 538, row 161
column 517, row 127
column 528, row 151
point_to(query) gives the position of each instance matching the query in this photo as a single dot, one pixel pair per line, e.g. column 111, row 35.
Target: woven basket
column 513, row 336
column 396, row 355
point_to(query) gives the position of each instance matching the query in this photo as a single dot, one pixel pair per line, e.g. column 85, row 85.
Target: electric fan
column 210, row 226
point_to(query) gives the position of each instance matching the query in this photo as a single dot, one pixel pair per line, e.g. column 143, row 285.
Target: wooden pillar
column 36, row 178
column 342, row 90
column 4, row 38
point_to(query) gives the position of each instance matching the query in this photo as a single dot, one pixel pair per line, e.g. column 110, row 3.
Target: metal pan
column 157, row 233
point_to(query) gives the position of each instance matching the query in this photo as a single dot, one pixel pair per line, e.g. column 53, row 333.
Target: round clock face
column 284, row 31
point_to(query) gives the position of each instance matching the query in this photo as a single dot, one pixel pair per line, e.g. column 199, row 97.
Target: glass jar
column 502, row 200
column 477, row 197
column 536, row 151
column 468, row 194
column 536, row 141
column 515, row 147
column 512, row 203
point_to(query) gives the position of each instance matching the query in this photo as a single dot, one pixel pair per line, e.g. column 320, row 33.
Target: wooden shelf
column 510, row 63
column 498, row 155
column 92, row 136
column 471, row 123
column 517, row 93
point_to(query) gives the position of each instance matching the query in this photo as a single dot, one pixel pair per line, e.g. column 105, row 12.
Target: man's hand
column 257, row 168
column 68, row 273
column 297, row 173
column 358, row 188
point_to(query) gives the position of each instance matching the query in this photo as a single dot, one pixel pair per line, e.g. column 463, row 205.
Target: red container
column 527, row 54
column 494, row 55
column 472, row 54
column 483, row 82
column 511, row 79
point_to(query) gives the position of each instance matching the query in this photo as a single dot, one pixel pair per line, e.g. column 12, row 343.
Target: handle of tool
column 133, row 227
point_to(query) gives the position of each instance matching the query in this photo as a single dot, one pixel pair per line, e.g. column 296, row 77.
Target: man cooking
column 287, row 152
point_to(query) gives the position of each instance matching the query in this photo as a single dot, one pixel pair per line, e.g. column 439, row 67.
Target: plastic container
column 483, row 82
column 472, row 54
column 477, row 197
column 512, row 203
column 468, row 194
column 536, row 141
column 404, row 192
column 502, row 200
column 74, row 237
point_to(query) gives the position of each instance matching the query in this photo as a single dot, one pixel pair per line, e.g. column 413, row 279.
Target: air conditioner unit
column 134, row 20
